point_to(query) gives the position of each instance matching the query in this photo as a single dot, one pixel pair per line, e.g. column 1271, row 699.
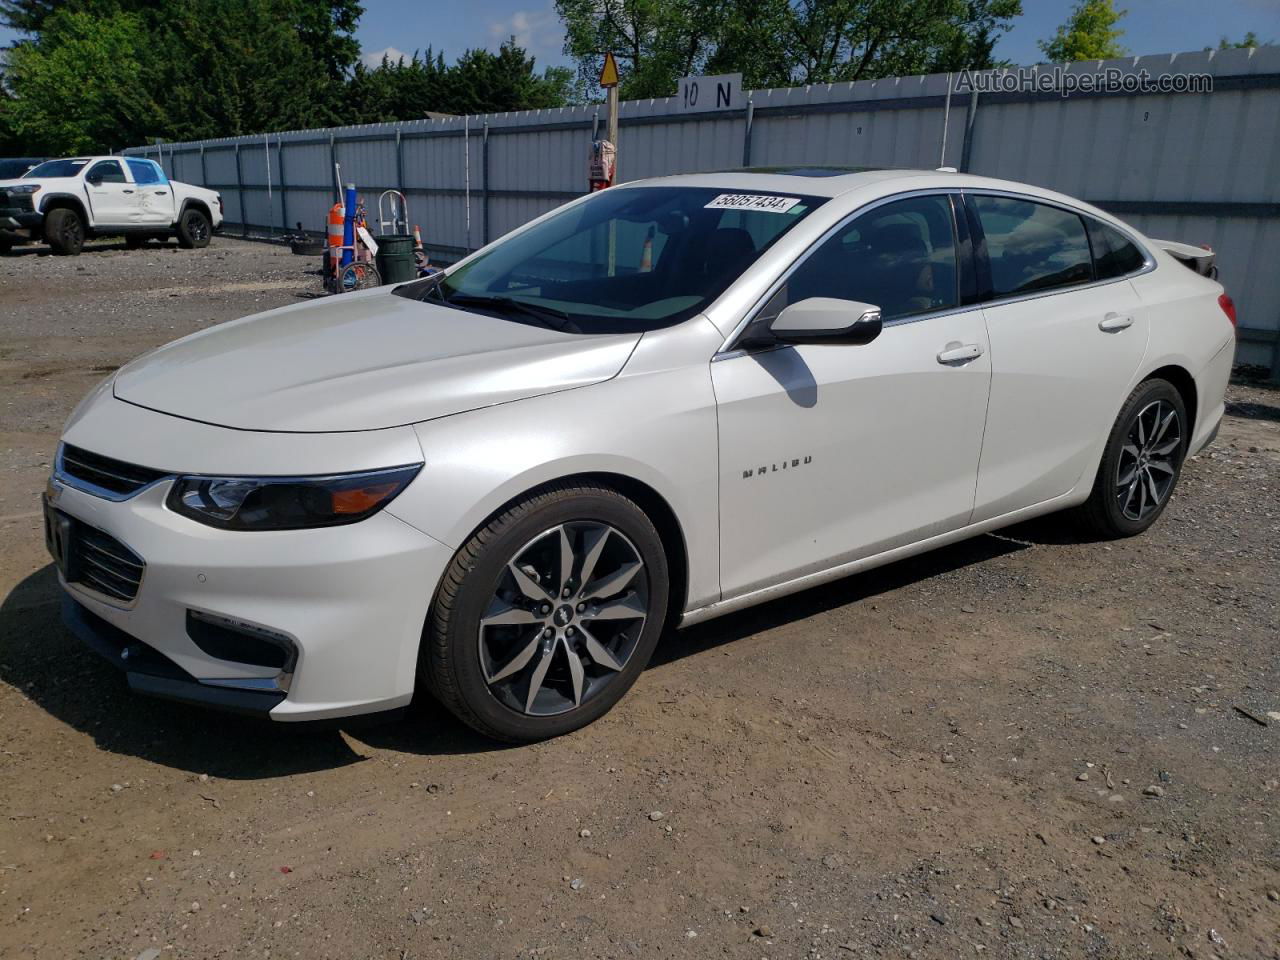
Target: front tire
column 194, row 229
column 548, row 614
column 64, row 232
column 1141, row 463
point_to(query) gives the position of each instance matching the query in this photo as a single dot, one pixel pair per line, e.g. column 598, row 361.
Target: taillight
column 1228, row 307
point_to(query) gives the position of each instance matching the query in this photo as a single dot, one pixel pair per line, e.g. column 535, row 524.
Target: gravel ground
column 1024, row 745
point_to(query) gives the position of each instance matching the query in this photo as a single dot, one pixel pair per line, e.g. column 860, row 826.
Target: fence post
column 400, row 163
column 484, row 193
column 966, row 151
column 284, row 186
column 746, row 133
column 244, row 224
column 333, row 167
column 204, row 175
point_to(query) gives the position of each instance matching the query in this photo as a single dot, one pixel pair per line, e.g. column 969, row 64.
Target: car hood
column 362, row 361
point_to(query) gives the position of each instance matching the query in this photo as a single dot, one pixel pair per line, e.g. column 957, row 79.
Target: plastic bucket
column 395, row 258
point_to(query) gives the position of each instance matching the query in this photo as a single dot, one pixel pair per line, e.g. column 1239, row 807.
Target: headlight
column 24, row 189
column 287, row 503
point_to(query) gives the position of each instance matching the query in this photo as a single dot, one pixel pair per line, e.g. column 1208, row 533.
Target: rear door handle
column 960, row 353
column 161, row 193
column 1113, row 322
column 127, row 191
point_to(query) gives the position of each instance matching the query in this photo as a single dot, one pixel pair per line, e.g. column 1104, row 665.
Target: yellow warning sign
column 609, row 73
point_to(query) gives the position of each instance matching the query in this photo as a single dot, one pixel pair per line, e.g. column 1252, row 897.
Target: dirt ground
column 1021, row 746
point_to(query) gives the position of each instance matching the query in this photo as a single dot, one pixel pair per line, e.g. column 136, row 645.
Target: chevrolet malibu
column 652, row 406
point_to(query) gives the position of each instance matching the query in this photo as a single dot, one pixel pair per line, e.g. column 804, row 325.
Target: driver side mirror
column 827, row 320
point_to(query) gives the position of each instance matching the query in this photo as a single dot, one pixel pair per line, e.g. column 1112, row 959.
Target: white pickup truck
column 64, row 202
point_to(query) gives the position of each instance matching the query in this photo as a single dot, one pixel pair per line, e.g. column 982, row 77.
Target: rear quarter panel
column 1188, row 330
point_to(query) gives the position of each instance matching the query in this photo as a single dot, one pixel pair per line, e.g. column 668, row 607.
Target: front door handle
column 162, row 193
column 1114, row 322
column 127, row 191
column 960, row 353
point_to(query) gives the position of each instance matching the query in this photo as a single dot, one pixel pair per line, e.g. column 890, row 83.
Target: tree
column 656, row 41
column 233, row 67
column 1250, row 40
column 1090, row 33
column 780, row 42
column 81, row 85
column 480, row 82
column 94, row 74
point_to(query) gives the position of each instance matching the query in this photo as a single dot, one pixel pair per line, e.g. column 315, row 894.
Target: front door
column 112, row 197
column 831, row 453
column 154, row 194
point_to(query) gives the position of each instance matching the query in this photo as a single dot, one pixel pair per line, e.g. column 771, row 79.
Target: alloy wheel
column 1148, row 464
column 197, row 228
column 564, row 619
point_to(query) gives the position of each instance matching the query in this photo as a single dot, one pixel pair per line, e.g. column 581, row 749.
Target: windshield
column 626, row 260
column 57, row 168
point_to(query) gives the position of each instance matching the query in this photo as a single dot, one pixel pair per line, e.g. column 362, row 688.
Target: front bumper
column 21, row 222
column 152, row 673
column 349, row 602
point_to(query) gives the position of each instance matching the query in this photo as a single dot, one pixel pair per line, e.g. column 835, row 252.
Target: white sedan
column 654, row 405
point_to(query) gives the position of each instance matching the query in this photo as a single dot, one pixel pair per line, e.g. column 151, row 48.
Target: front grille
column 101, row 562
column 104, row 473
column 17, row 202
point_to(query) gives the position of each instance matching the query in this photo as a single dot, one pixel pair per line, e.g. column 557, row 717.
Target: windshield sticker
column 752, row 201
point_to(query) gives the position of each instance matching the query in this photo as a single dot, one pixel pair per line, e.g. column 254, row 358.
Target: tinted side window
column 144, row 172
column 900, row 257
column 1114, row 254
column 108, row 171
column 1032, row 246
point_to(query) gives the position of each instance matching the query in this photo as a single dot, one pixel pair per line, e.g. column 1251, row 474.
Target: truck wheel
column 64, row 232
column 194, row 230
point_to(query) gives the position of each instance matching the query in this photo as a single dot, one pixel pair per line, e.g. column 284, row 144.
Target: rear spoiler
column 1200, row 259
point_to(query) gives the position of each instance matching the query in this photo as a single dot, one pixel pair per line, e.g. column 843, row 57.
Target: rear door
column 112, row 198
column 831, row 453
column 1067, row 335
column 153, row 192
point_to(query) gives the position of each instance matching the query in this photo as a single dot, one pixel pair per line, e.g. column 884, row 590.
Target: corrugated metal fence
column 1198, row 167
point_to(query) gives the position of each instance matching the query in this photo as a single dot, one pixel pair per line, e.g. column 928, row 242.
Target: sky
column 452, row 26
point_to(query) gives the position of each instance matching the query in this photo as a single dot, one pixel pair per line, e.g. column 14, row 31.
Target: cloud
column 373, row 58
column 538, row 31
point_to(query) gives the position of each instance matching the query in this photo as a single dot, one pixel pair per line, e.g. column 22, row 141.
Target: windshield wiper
column 548, row 316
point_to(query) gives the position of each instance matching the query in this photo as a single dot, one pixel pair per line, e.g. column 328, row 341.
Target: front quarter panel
column 655, row 423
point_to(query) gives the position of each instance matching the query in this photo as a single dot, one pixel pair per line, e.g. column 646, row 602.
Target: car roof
column 833, row 181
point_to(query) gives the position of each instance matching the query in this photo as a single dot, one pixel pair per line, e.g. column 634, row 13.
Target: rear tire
column 1140, row 464
column 565, row 638
column 64, row 232
column 194, row 229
